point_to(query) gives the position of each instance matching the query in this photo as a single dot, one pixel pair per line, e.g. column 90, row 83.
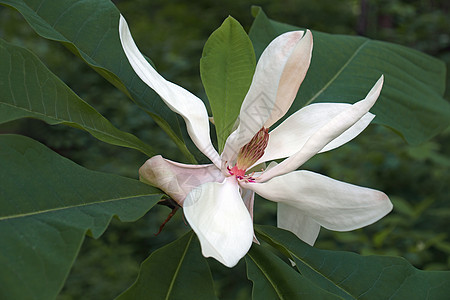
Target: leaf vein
column 280, row 295
column 72, row 206
column 337, row 73
column 172, row 282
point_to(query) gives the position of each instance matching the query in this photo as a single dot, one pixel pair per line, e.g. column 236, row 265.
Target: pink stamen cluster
column 240, row 174
column 249, row 154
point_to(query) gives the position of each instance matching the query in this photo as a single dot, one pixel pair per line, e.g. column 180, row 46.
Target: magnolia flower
column 217, row 198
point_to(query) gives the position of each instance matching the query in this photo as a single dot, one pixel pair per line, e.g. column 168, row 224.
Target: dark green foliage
column 176, row 271
column 353, row 276
column 48, row 205
column 169, row 32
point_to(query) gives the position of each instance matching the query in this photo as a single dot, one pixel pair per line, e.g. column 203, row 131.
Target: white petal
column 327, row 133
column 176, row 98
column 294, row 220
column 291, row 135
column 221, row 221
column 248, row 196
column 294, row 72
column 175, row 179
column 333, row 204
column 278, row 75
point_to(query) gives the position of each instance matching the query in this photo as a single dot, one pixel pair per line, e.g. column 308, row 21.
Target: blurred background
column 172, row 33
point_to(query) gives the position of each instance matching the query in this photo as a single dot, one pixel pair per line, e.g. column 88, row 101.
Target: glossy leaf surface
column 29, row 89
column 344, row 68
column 47, row 205
column 175, row 271
column 226, row 68
column 275, row 279
column 352, row 276
column 90, row 29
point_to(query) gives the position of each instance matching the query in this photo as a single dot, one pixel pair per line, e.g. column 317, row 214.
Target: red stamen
column 249, row 155
column 172, row 213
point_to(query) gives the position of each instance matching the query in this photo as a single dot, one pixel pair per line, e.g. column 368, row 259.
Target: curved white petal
column 294, row 220
column 333, row 204
column 175, row 179
column 176, row 98
column 248, row 196
column 278, row 75
column 327, row 133
column 221, row 221
column 294, row 72
column 291, row 135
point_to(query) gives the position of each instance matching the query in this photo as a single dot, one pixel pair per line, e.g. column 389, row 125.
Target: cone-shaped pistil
column 250, row 153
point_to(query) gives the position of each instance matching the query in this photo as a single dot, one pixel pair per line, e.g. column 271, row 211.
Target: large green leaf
column 90, row 29
column 227, row 67
column 344, row 68
column 353, row 276
column 29, row 89
column 176, row 271
column 47, row 204
column 274, row 279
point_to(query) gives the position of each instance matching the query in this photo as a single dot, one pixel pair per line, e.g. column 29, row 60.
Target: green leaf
column 274, row 279
column 353, row 276
column 344, row 68
column 226, row 68
column 175, row 271
column 90, row 29
column 29, row 89
column 47, row 204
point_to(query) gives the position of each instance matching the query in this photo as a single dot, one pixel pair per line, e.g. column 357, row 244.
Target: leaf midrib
column 2, row 218
column 172, row 282
column 308, row 265
column 82, row 52
column 323, row 276
column 280, row 295
column 337, row 73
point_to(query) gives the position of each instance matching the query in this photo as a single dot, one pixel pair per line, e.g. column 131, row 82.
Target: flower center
column 249, row 154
